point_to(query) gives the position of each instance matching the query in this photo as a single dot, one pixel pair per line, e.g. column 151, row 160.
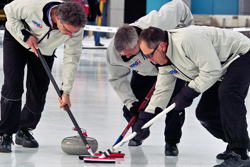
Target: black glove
column 143, row 118
column 134, row 109
column 184, row 98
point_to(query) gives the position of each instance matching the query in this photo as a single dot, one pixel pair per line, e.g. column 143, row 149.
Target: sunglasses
column 152, row 54
column 66, row 29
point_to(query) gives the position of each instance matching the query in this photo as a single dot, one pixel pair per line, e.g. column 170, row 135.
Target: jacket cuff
column 64, row 92
column 26, row 34
column 146, row 116
column 189, row 92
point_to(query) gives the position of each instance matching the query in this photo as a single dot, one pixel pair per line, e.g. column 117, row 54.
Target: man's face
column 156, row 55
column 130, row 52
column 67, row 29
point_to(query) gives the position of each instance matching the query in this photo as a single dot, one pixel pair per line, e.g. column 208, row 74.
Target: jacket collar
column 45, row 10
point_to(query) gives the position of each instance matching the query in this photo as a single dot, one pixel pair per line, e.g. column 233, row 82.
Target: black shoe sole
column 134, row 143
column 171, row 155
column 5, row 151
column 131, row 145
column 29, row 145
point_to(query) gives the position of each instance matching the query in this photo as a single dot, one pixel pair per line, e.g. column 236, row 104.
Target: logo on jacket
column 174, row 72
column 37, row 24
column 136, row 21
column 135, row 64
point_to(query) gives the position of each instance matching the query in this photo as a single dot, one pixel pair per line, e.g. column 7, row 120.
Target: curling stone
column 74, row 145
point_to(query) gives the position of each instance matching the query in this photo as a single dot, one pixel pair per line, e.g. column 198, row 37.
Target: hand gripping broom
column 143, row 104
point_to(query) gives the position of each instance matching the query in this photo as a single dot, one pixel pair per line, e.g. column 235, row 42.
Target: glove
column 134, row 109
column 184, row 98
column 143, row 118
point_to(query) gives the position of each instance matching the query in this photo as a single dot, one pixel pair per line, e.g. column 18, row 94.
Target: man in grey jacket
column 207, row 58
column 33, row 24
column 124, row 56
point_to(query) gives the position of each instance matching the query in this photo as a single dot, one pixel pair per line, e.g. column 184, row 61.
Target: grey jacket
column 197, row 55
column 30, row 12
column 168, row 17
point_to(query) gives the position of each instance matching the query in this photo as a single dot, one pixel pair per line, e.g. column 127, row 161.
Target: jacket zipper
column 48, row 33
column 180, row 71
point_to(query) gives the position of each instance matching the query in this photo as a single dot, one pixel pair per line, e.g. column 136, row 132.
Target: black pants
column 222, row 110
column 141, row 85
column 15, row 58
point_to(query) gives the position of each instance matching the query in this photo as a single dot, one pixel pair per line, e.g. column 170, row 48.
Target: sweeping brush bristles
column 99, row 160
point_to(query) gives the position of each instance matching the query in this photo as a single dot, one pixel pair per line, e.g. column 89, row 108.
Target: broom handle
column 45, row 65
column 158, row 116
column 146, row 125
column 143, row 104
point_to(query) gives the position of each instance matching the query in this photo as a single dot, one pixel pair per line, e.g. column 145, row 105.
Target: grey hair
column 72, row 13
column 125, row 38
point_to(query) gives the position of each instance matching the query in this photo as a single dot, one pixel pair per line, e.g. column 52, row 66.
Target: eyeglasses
column 152, row 54
column 66, row 29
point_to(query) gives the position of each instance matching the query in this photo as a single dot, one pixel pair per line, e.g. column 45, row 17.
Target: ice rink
column 98, row 109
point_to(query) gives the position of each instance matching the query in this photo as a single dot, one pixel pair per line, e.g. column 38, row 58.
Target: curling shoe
column 5, row 143
column 223, row 156
column 171, row 149
column 99, row 44
column 134, row 142
column 24, row 138
column 233, row 160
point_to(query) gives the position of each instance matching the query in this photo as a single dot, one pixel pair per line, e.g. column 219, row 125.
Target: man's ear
column 164, row 46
